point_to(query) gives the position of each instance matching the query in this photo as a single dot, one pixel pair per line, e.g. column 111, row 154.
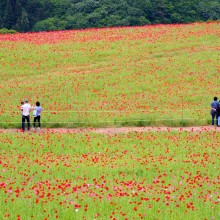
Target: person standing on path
column 26, row 108
column 214, row 106
column 37, row 113
column 218, row 114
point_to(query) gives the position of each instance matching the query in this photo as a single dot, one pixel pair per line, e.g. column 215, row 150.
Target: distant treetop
column 44, row 15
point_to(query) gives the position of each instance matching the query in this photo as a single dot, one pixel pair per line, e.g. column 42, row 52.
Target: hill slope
column 151, row 75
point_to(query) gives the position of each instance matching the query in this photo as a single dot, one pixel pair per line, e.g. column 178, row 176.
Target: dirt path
column 117, row 130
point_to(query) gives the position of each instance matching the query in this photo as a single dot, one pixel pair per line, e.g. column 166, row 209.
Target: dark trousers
column 25, row 118
column 37, row 118
column 213, row 119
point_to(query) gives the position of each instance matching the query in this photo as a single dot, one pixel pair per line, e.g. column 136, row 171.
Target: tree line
column 44, row 15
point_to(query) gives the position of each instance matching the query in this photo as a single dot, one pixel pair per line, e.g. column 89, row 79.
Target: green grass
column 153, row 175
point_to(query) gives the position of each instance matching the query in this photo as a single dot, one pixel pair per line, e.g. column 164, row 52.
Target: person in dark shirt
column 214, row 106
column 218, row 114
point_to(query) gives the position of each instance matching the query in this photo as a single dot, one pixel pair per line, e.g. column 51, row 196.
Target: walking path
column 118, row 130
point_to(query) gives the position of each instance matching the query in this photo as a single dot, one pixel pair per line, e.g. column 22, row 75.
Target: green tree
column 8, row 17
column 45, row 25
column 34, row 10
column 77, row 14
column 1, row 14
column 18, row 9
column 1, row 23
column 143, row 21
column 50, row 24
column 209, row 10
column 22, row 24
column 77, row 21
column 160, row 13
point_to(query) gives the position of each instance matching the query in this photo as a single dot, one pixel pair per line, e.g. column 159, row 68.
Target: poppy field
column 137, row 175
column 151, row 75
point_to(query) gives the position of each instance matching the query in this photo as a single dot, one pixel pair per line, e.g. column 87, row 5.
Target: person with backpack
column 37, row 114
column 214, row 114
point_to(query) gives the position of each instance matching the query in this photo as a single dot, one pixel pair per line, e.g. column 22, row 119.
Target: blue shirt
column 38, row 110
column 214, row 105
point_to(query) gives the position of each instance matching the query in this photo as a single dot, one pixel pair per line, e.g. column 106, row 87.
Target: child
column 21, row 108
column 37, row 114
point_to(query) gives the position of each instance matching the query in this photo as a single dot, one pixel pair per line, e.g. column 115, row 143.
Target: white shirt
column 26, row 108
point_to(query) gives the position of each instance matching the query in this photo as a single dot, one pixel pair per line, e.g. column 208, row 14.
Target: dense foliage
column 40, row 15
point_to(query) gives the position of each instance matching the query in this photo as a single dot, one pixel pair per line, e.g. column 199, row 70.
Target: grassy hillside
column 152, row 75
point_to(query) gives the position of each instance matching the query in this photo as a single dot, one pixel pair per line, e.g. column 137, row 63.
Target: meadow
column 151, row 75
column 152, row 175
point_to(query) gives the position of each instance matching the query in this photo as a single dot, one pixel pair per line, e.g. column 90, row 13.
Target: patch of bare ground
column 117, row 130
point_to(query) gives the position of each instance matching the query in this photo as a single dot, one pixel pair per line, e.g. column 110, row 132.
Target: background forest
column 43, row 15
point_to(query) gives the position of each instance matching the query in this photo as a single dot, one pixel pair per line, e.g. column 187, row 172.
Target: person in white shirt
column 26, row 108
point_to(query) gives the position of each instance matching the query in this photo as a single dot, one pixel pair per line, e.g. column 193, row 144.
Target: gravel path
column 117, row 130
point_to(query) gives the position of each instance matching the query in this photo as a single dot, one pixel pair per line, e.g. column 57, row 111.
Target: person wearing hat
column 26, row 108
